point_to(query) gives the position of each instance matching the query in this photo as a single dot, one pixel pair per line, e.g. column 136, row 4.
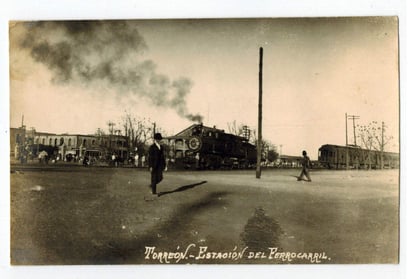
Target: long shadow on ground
column 173, row 232
column 300, row 179
column 68, row 225
column 182, row 188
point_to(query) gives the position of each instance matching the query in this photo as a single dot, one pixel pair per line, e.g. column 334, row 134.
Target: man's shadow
column 182, row 188
column 300, row 179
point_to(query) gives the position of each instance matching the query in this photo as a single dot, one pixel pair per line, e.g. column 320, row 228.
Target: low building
column 17, row 141
column 287, row 161
column 77, row 145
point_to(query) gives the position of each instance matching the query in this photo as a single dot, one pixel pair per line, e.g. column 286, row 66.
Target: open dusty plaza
column 89, row 215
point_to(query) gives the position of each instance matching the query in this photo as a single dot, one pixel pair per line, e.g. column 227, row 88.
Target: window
column 70, row 142
column 179, row 144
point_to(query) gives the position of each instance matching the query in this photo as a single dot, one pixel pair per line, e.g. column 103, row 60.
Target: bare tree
column 373, row 137
column 269, row 150
column 138, row 131
column 242, row 130
column 273, row 153
column 234, row 129
column 100, row 132
column 111, row 125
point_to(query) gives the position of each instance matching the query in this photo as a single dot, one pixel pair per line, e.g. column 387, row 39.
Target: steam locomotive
column 334, row 156
column 202, row 147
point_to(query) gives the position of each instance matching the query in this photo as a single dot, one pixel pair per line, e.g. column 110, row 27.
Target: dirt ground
column 77, row 215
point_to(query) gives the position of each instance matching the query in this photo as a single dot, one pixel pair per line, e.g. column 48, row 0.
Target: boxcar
column 334, row 156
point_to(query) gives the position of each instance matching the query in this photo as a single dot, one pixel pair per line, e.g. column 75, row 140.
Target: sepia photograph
column 205, row 141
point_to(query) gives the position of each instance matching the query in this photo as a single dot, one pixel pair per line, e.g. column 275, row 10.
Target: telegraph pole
column 259, row 143
column 382, row 143
column 111, row 125
column 22, row 142
column 353, row 118
column 347, row 148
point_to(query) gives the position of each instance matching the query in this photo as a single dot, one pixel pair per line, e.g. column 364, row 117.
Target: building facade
column 64, row 145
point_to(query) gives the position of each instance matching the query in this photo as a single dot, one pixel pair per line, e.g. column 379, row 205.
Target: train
column 202, row 147
column 334, row 157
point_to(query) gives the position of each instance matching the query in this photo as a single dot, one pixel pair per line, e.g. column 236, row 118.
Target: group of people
column 138, row 161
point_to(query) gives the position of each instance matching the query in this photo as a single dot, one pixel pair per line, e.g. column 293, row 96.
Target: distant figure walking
column 157, row 162
column 306, row 164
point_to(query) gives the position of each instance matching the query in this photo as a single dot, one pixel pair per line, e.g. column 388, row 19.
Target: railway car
column 334, row 156
column 204, row 147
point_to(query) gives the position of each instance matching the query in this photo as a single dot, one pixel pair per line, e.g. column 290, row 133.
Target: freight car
column 204, row 147
column 334, row 156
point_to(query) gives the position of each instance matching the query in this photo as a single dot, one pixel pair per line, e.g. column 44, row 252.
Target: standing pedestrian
column 306, row 164
column 157, row 162
column 136, row 160
column 114, row 160
column 86, row 161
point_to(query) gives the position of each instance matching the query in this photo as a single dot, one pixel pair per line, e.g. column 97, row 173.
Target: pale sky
column 315, row 70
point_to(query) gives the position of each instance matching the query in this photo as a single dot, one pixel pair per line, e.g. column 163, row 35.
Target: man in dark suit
column 157, row 162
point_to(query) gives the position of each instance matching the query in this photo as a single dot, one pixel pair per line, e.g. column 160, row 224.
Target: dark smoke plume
column 104, row 53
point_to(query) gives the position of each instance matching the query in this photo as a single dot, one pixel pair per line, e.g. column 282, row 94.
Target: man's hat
column 158, row 136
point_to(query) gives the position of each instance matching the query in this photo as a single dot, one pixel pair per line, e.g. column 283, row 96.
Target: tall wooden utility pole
column 347, row 148
column 111, row 129
column 382, row 144
column 259, row 143
column 353, row 118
